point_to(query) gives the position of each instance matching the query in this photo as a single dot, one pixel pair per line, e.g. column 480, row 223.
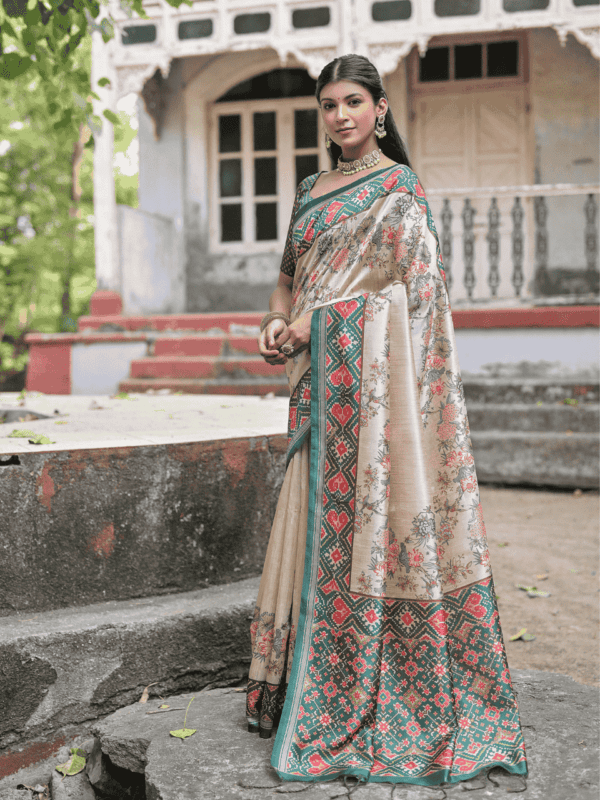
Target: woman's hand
column 277, row 333
column 271, row 339
column 297, row 334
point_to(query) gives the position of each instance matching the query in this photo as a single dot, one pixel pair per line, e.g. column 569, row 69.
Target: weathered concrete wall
column 83, row 526
column 150, row 250
column 566, row 115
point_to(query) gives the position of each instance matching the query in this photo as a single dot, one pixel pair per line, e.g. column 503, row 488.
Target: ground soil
column 534, row 533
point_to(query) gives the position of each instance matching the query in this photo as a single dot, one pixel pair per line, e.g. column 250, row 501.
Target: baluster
column 542, row 279
column 493, row 237
column 468, row 247
column 591, row 243
column 447, row 241
column 518, row 246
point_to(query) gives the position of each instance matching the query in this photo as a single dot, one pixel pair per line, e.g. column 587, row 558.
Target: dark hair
column 359, row 69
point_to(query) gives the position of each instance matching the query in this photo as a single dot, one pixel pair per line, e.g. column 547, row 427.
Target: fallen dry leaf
column 144, row 697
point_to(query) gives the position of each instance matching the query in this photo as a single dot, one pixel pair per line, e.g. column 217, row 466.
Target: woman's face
column 349, row 114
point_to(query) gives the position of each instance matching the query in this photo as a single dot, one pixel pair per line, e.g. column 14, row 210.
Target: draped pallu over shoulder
column 399, row 670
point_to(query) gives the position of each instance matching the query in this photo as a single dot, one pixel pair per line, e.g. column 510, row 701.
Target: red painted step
column 203, row 345
column 202, row 367
column 165, row 322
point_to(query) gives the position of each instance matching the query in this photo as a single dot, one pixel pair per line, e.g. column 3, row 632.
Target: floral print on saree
column 398, row 671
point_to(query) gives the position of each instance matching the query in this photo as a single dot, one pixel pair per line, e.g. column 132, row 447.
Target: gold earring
column 380, row 130
column 327, row 141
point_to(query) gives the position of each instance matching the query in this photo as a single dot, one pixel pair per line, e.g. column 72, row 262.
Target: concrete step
column 222, row 761
column 231, row 386
column 204, row 366
column 61, row 668
column 534, row 458
column 529, row 390
column 523, row 417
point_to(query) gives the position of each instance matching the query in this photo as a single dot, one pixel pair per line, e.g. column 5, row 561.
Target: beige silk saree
column 376, row 633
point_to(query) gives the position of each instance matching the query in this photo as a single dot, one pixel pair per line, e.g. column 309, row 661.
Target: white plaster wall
column 564, row 95
column 99, row 368
column 533, row 352
column 153, row 281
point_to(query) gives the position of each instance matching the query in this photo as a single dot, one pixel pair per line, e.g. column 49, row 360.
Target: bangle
column 272, row 315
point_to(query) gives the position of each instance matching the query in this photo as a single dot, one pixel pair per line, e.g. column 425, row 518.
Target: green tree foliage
column 46, row 147
column 46, row 231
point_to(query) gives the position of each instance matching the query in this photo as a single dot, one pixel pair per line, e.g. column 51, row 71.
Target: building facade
column 497, row 100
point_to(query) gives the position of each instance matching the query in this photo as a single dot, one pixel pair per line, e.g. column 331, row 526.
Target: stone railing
column 512, row 244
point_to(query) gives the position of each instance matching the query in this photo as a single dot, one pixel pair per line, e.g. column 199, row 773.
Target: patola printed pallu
column 376, row 618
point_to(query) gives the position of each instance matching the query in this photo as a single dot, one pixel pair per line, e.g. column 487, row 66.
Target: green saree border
column 313, row 541
column 297, row 441
column 336, row 192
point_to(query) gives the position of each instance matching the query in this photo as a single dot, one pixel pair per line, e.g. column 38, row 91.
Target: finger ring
column 287, row 349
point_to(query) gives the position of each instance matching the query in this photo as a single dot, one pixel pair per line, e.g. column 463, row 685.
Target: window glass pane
column 265, row 135
column 231, row 223
column 305, row 127
column 139, row 34
column 456, row 8
column 195, row 29
column 230, row 177
column 311, row 17
column 230, row 133
column 252, row 23
column 266, row 221
column 265, row 176
column 305, row 166
column 502, row 59
column 586, row 2
column 391, row 9
column 468, row 61
column 525, row 5
column 435, row 65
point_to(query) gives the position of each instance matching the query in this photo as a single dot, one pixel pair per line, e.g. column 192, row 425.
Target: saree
column 376, row 634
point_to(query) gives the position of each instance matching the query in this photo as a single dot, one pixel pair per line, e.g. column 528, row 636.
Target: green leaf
column 183, row 733
column 20, row 433
column 75, row 764
column 39, row 438
column 12, row 65
column 111, row 116
column 104, row 82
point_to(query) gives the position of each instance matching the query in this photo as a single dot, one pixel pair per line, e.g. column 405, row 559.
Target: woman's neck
column 354, row 153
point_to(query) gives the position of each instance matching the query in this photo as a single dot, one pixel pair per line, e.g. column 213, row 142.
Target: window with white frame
column 262, row 150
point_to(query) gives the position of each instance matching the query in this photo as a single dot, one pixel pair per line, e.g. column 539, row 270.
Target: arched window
column 266, row 138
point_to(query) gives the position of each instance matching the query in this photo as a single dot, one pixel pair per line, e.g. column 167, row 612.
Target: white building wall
column 564, row 95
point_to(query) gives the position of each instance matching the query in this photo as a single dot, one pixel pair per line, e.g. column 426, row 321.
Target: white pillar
column 108, row 271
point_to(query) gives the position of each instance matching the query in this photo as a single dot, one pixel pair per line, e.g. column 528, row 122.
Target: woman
column 376, row 618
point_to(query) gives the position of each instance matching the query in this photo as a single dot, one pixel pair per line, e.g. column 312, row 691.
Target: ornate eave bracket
column 588, row 36
column 385, row 57
column 149, row 82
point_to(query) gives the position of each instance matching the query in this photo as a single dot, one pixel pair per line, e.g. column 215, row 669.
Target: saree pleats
column 275, row 622
column 376, row 625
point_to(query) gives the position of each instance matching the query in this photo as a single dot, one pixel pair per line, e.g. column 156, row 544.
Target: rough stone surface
column 72, row 787
column 98, row 658
column 128, row 522
column 15, row 794
column 222, row 760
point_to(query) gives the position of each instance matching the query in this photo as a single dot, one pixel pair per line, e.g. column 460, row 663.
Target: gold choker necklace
column 367, row 161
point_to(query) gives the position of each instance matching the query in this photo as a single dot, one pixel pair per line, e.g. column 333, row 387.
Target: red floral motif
column 446, row 430
column 415, row 558
column 340, row 260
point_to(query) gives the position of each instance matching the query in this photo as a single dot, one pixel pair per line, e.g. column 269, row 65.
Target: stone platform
column 222, row 761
